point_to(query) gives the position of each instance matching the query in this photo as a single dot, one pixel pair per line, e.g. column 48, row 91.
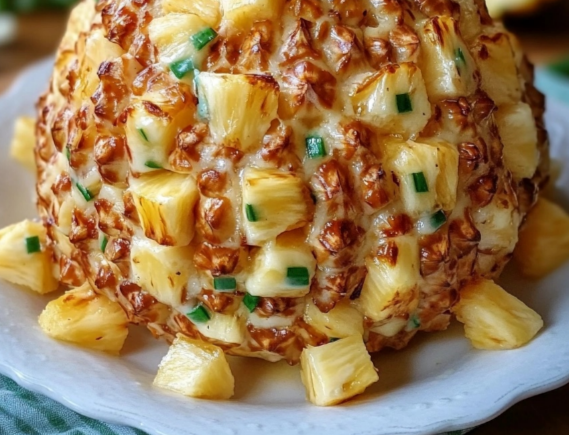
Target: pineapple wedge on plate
column 24, row 142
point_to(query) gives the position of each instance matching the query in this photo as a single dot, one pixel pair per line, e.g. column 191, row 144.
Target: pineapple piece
column 470, row 20
column 282, row 268
column 390, row 288
column 273, row 202
column 448, row 68
column 162, row 271
column 226, row 328
column 498, row 70
column 391, row 328
column 342, row 321
column 437, row 161
column 25, row 258
column 196, row 369
column 393, row 100
column 241, row 14
column 498, row 225
column 172, row 35
column 207, row 10
column 165, row 202
column 494, row 319
column 544, row 240
column 240, row 107
column 24, row 142
column 337, row 371
column 87, row 319
column 518, row 132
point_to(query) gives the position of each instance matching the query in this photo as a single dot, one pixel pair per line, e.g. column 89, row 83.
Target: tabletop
column 545, row 38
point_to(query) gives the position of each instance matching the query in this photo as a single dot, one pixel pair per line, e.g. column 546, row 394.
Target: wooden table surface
column 545, row 38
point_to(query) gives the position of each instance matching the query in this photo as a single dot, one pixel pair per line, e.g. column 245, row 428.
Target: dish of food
column 310, row 182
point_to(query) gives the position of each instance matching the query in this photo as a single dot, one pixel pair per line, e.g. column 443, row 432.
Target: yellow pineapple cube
column 208, row 10
column 337, row 371
column 427, row 173
column 448, row 68
column 273, row 202
column 86, row 319
column 390, row 287
column 342, row 321
column 226, row 328
column 25, row 258
column 498, row 70
column 241, row 14
column 544, row 240
column 494, row 319
column 498, row 226
column 162, row 271
column 518, row 132
column 282, row 268
column 393, row 100
column 240, row 107
column 196, row 369
column 24, row 142
column 165, row 202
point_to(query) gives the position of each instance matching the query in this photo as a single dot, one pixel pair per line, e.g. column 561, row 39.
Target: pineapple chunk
column 394, row 100
column 282, row 268
column 165, row 202
column 32, row 270
column 498, row 225
column 240, row 107
column 447, row 66
column 437, row 161
column 226, row 328
column 172, row 33
column 494, row 319
column 390, row 287
column 336, row 371
column 273, row 202
column 241, row 14
column 498, row 70
column 87, row 319
column 207, row 10
column 342, row 321
column 162, row 271
column 196, row 369
column 544, row 240
column 24, row 142
column 518, row 132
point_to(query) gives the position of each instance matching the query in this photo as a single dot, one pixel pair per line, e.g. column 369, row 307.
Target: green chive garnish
column 251, row 302
column 104, row 243
column 420, row 181
column 203, row 37
column 224, row 283
column 315, row 147
column 143, row 134
column 438, row 219
column 199, row 314
column 68, row 153
column 459, row 57
column 404, row 104
column 297, row 276
column 152, row 165
column 182, row 67
column 33, row 245
column 333, row 339
column 251, row 214
column 84, row 191
column 414, row 322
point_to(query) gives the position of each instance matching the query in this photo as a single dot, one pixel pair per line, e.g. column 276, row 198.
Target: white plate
column 438, row 384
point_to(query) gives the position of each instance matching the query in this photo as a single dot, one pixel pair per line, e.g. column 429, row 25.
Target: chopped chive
column 251, row 214
column 404, row 104
column 459, row 57
column 333, row 339
column 199, row 314
column 414, row 322
column 182, row 67
column 152, row 165
column 68, row 153
column 438, row 219
column 104, row 243
column 33, row 245
column 84, row 191
column 224, row 283
column 315, row 147
column 420, row 182
column 251, row 302
column 297, row 276
column 143, row 134
column 203, row 37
